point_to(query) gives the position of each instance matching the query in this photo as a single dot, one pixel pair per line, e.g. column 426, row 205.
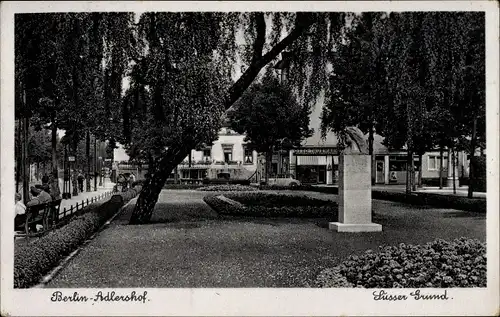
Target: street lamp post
column 25, row 151
column 95, row 163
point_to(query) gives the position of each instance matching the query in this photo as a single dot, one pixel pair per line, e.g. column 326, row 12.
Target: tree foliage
column 270, row 117
column 417, row 78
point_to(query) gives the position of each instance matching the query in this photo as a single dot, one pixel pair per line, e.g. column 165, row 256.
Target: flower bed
column 438, row 264
column 271, row 205
column 33, row 261
column 227, row 188
column 276, row 200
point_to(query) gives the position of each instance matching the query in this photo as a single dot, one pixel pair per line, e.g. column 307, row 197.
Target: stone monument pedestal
column 355, row 195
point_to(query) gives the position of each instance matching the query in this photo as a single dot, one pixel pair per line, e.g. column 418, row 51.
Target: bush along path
column 438, row 264
column 258, row 204
column 33, row 261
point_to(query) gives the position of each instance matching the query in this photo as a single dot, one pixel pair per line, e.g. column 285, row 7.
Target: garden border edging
column 44, row 256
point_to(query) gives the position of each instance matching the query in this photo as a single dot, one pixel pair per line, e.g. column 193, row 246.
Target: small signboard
column 316, row 151
column 71, row 158
column 107, row 160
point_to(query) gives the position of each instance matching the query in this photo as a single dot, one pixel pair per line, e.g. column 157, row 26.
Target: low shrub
column 329, row 210
column 227, row 188
column 438, row 264
column 33, row 261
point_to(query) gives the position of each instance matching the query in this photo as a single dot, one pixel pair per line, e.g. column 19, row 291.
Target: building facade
column 227, row 157
column 316, row 160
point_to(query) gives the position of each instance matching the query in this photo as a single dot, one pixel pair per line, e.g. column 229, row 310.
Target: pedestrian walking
column 80, row 179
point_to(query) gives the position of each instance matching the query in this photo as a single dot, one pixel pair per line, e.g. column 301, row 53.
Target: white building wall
column 226, row 137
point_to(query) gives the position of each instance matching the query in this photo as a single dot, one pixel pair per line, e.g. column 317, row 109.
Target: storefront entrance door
column 380, row 174
column 322, row 174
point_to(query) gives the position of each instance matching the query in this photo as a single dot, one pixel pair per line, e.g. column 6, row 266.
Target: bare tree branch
column 302, row 23
column 260, row 39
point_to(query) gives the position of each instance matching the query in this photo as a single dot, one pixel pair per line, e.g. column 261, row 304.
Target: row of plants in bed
column 258, row 204
column 438, row 264
column 418, row 199
column 32, row 261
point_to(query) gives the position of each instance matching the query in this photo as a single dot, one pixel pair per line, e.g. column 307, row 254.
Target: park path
column 189, row 245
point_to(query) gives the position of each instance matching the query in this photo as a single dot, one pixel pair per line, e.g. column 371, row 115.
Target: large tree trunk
column 420, row 157
column 453, row 166
column 441, row 167
column 19, row 159
column 25, row 156
column 470, row 192
column 269, row 158
column 409, row 172
column 87, row 153
column 95, row 164
column 74, row 175
column 153, row 185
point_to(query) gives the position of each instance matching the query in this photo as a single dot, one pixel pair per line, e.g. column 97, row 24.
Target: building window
column 433, row 163
column 228, row 152
column 207, row 155
column 248, row 156
column 397, row 163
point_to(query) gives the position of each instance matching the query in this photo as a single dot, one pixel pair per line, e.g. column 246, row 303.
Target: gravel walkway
column 189, row 245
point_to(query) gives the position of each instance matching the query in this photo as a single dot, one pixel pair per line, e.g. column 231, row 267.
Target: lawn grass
column 189, row 245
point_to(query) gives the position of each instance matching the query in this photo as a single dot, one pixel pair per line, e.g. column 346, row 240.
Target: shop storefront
column 391, row 169
column 314, row 165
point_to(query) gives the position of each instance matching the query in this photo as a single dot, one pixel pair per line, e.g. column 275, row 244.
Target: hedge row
column 438, row 264
column 264, row 199
column 435, row 200
column 419, row 199
column 221, row 181
column 301, row 187
column 226, row 208
column 33, row 261
column 226, row 188
column 182, row 186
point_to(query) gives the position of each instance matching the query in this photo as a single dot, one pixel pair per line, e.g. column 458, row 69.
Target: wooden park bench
column 46, row 214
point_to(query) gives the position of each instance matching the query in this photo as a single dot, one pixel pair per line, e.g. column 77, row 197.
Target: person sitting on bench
column 20, row 217
column 39, row 197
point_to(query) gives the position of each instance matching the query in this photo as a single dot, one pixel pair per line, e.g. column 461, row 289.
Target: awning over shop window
column 311, row 160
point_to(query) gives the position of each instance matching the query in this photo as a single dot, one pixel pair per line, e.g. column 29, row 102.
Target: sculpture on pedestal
column 355, row 205
column 353, row 141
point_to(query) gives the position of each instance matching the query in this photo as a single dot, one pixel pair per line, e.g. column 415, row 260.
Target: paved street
column 106, row 187
column 189, row 245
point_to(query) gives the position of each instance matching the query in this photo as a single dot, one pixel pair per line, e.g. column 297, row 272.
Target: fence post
column 64, row 212
column 87, row 201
